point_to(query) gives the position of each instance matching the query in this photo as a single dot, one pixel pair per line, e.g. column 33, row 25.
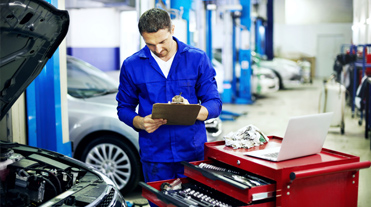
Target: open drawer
column 202, row 195
column 231, row 181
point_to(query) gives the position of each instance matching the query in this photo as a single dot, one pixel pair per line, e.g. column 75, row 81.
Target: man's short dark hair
column 153, row 20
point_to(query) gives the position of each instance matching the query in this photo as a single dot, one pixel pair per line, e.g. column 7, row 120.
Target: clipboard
column 176, row 114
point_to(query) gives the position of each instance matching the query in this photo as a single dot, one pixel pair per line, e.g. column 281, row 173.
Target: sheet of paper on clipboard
column 176, row 114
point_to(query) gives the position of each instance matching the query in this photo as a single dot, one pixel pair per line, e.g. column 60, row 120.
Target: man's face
column 160, row 43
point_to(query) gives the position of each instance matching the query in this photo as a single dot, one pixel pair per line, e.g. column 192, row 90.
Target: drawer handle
column 261, row 196
column 328, row 170
column 213, row 176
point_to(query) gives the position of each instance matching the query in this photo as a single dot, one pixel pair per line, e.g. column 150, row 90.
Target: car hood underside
column 30, row 32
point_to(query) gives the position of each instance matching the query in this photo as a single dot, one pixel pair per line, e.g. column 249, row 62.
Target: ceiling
column 119, row 4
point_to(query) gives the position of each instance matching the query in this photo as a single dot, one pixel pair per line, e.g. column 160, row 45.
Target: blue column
column 245, row 59
column 209, row 34
column 235, row 90
column 259, row 36
column 269, row 31
column 44, row 108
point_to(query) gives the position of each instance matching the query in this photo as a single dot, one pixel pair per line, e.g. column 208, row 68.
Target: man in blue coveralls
column 166, row 67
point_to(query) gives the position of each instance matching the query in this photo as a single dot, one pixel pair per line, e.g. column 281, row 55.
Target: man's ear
column 172, row 29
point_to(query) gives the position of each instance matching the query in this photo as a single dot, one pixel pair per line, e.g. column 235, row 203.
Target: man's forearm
column 203, row 114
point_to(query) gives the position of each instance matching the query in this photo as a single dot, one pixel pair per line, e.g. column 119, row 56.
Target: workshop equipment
column 231, row 178
column 332, row 99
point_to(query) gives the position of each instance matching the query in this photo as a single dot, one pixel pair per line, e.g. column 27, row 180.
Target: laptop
column 305, row 135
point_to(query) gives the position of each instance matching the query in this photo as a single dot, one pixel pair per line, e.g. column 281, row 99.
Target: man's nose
column 158, row 48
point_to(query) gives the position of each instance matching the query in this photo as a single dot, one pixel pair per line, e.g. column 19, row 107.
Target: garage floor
column 272, row 112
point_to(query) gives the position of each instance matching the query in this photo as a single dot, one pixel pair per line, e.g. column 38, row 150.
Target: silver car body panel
column 83, row 122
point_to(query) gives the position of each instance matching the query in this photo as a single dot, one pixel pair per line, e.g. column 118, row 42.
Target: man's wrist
column 138, row 122
column 203, row 114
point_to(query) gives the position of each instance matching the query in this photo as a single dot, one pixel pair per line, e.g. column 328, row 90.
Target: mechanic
column 166, row 67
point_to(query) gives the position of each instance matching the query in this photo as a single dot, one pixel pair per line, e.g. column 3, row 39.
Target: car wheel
column 110, row 155
column 280, row 81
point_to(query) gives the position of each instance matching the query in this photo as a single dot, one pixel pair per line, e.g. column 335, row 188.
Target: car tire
column 280, row 81
column 111, row 156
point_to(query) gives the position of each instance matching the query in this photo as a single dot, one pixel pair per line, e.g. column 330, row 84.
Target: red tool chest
column 329, row 178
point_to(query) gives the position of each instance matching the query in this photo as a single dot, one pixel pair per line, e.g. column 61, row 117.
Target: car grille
column 107, row 199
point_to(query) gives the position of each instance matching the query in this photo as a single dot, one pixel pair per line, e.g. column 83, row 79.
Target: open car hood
column 31, row 31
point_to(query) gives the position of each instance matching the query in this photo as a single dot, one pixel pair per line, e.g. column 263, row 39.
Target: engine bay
column 32, row 177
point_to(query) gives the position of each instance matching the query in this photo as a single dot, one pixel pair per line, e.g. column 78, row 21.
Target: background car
column 99, row 138
column 263, row 80
column 288, row 72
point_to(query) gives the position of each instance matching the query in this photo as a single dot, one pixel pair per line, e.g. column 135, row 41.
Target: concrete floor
column 271, row 113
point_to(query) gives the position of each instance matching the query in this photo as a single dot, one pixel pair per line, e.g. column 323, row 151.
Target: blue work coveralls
column 142, row 82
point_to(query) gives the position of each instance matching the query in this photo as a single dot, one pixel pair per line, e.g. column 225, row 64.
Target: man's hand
column 185, row 101
column 147, row 123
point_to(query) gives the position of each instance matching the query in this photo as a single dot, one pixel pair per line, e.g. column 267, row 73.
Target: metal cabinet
column 329, row 178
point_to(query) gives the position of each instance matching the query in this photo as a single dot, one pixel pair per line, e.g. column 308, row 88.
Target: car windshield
column 85, row 80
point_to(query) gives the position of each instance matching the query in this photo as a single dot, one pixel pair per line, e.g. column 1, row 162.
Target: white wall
column 300, row 26
column 318, row 11
column 299, row 22
column 94, row 36
column 303, row 38
column 94, row 27
column 129, row 34
column 362, row 22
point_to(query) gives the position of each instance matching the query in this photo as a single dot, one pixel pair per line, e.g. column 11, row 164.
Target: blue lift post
column 245, row 96
column 44, row 112
column 229, row 94
column 209, row 34
column 269, row 31
column 232, row 92
column 259, row 36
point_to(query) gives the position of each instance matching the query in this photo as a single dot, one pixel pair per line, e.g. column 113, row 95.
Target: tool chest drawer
column 192, row 193
column 237, row 183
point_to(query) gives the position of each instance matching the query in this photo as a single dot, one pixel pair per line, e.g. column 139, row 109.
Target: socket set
column 232, row 181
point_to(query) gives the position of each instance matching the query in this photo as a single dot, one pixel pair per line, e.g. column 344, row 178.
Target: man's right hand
column 147, row 123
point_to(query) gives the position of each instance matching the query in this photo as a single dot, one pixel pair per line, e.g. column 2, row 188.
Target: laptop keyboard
column 273, row 154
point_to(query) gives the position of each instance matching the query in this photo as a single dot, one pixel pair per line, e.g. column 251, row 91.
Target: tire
column 342, row 128
column 280, row 81
column 111, row 156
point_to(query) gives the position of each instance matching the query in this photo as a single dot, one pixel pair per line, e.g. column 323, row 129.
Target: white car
column 288, row 72
column 263, row 80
